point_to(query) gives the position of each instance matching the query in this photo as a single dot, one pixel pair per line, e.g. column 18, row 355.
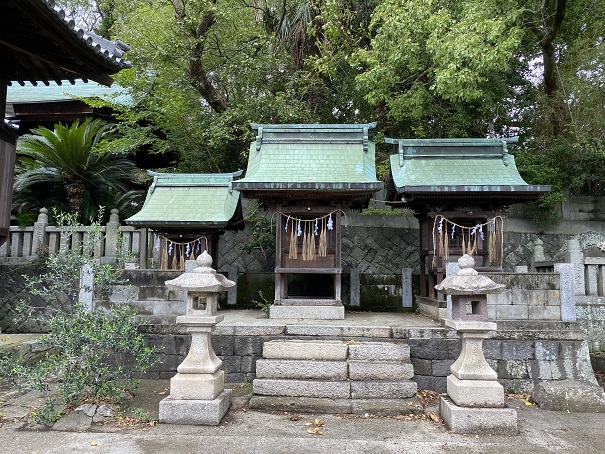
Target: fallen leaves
column 431, row 417
column 313, row 427
column 426, row 397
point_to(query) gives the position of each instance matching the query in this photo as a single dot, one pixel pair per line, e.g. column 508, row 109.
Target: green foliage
column 385, row 211
column 59, row 284
column 67, row 167
column 94, row 354
column 261, row 235
column 91, row 355
column 431, row 56
column 264, row 304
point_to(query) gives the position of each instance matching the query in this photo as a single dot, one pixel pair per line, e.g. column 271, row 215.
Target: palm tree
column 69, row 158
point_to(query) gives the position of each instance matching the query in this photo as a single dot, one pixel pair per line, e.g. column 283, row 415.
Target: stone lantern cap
column 467, row 281
column 203, row 279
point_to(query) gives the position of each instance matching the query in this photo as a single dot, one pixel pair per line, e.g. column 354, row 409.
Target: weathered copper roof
column 313, row 157
column 189, row 200
column 38, row 43
column 449, row 167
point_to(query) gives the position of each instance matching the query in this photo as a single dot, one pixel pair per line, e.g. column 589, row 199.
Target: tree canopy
column 203, row 70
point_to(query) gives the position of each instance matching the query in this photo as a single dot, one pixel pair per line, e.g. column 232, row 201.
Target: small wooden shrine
column 310, row 176
column 188, row 213
column 460, row 191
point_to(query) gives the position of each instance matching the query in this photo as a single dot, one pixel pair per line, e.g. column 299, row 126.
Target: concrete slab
column 197, row 386
column 379, row 351
column 383, row 389
column 301, row 404
column 475, row 393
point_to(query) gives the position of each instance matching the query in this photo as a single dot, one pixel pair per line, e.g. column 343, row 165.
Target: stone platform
column 522, row 353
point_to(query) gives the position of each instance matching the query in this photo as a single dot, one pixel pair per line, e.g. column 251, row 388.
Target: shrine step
column 379, row 407
column 309, row 302
column 353, row 375
column 308, row 312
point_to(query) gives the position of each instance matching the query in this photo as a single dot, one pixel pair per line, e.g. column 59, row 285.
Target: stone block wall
column 527, row 296
column 522, row 353
column 590, row 312
column 371, row 249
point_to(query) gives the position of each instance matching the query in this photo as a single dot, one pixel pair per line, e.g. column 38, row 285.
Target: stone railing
column 588, row 278
column 588, row 271
column 25, row 244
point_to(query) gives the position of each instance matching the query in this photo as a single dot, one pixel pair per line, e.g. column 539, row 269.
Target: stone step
column 383, row 389
column 380, row 351
column 375, row 370
column 301, row 388
column 301, row 369
column 306, row 349
column 379, row 407
column 333, row 312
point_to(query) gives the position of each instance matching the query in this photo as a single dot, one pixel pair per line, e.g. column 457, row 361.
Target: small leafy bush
column 90, row 357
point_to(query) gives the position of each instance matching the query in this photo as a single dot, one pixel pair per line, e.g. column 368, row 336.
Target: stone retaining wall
column 522, row 353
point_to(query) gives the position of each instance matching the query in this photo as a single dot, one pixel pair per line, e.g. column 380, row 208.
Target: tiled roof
column 456, row 165
column 317, row 157
column 189, row 200
column 38, row 43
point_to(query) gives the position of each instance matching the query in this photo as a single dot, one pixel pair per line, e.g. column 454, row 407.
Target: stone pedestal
column 464, row 420
column 195, row 411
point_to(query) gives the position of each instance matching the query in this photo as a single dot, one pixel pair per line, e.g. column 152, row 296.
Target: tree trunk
column 198, row 77
column 75, row 189
column 545, row 25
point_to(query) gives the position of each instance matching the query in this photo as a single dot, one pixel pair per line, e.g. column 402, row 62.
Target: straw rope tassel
column 293, row 247
column 446, row 241
column 463, row 242
column 304, row 244
column 183, row 258
column 323, row 241
column 311, row 244
column 164, row 256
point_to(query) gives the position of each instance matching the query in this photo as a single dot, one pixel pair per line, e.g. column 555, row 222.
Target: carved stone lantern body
column 197, row 394
column 473, row 385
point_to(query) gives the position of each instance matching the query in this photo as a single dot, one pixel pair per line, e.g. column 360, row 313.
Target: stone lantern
column 197, row 394
column 475, row 402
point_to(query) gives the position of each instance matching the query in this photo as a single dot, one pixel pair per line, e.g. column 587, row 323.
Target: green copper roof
column 456, row 165
column 17, row 94
column 318, row 157
column 191, row 200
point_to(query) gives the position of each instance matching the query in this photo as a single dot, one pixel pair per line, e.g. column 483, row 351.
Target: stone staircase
column 335, row 377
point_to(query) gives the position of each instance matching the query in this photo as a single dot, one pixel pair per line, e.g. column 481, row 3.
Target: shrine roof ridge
column 193, row 179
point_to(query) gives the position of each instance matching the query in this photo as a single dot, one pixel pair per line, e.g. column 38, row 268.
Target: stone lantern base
column 466, row 420
column 195, row 411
